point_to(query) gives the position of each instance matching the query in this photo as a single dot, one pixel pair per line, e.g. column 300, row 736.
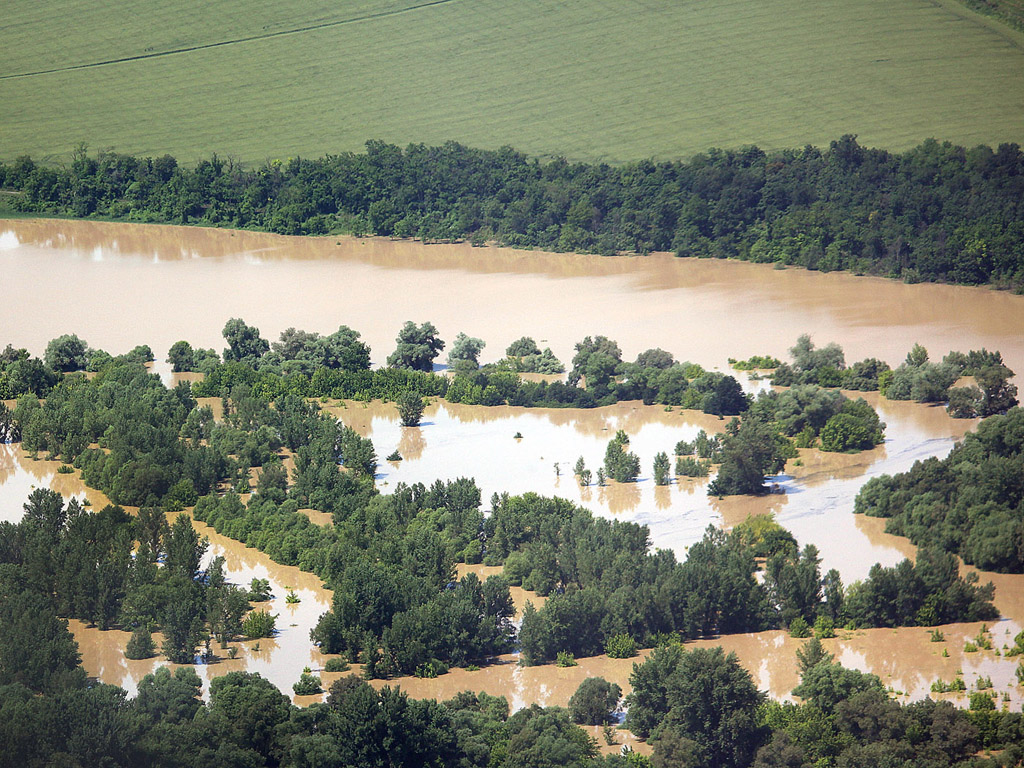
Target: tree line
column 971, row 502
column 935, row 212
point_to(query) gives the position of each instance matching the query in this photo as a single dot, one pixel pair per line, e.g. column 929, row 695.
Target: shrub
column 259, row 590
column 620, row 647
column 337, row 664
column 798, row 627
column 410, row 408
column 308, row 684
column 565, row 659
column 259, row 624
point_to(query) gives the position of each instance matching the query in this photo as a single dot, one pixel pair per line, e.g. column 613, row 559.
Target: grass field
column 605, row 80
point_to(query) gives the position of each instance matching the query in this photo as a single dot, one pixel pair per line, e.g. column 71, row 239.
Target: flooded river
column 120, row 285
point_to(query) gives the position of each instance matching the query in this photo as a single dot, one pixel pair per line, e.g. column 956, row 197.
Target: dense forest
column 970, row 503
column 390, row 558
column 935, row 212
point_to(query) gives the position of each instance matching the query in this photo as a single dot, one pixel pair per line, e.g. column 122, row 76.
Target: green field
column 605, row 80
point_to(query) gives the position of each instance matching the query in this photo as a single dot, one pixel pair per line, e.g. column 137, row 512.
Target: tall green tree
column 417, row 347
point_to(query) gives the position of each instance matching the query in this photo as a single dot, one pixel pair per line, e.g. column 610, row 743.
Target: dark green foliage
column 811, row 653
column 756, row 362
column 524, row 355
column 299, row 352
column 36, row 648
column 539, row 738
column 794, row 583
column 308, row 684
column 336, row 665
column 465, row 353
column 594, row 702
column 249, row 712
column 661, row 469
column 620, row 646
column 259, row 590
column 619, row 464
column 964, row 402
column 140, row 645
column 356, row 452
column 523, row 347
column 67, row 353
column 826, row 685
column 22, row 375
column 700, row 702
column 410, row 408
column 259, row 624
column 969, row 503
column 687, row 466
column 604, row 583
column 750, row 451
column 417, row 347
column 245, row 345
column 938, row 211
column 765, row 537
column 925, row 593
column 181, row 356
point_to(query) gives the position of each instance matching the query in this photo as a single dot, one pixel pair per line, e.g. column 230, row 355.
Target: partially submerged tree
column 417, row 347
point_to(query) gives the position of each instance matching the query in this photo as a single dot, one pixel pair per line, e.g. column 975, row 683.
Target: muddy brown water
column 157, row 284
column 120, row 285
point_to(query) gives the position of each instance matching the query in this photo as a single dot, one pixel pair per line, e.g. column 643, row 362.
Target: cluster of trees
column 338, row 366
column 603, row 582
column 71, row 562
column 391, row 561
column 915, row 379
column 247, row 721
column 776, row 424
column 701, row 708
column 525, row 356
column 970, row 503
column 934, row 212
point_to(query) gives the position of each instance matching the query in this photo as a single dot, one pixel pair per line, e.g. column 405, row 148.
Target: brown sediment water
column 184, row 283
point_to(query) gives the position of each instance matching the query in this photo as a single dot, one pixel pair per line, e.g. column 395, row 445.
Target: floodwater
column 455, row 440
column 119, row 285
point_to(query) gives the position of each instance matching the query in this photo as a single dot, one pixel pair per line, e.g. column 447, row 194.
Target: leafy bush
column 308, row 684
column 798, row 627
column 259, row 624
column 337, row 664
column 620, row 647
column 565, row 659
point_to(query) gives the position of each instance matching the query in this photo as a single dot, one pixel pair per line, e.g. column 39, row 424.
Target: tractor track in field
column 235, row 41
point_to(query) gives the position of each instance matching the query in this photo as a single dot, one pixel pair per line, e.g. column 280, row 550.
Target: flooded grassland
column 120, row 285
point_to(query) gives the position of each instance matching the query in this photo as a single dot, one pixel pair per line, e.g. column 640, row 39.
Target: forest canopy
column 935, row 212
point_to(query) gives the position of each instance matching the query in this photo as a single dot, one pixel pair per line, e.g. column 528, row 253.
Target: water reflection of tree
column 735, row 509
column 662, row 496
column 620, row 497
column 261, row 650
column 412, row 444
column 7, row 463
